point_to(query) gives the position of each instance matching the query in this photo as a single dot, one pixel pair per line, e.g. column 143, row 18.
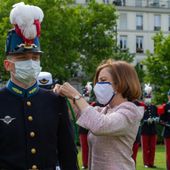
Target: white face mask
column 27, row 71
column 147, row 100
column 104, row 92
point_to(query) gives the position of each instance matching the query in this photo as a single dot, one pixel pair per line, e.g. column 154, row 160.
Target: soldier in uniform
column 165, row 121
column 148, row 129
column 35, row 129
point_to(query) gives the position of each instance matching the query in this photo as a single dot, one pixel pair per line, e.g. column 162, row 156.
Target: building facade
column 138, row 22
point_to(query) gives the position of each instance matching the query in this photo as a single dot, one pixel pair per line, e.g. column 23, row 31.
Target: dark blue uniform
column 150, row 112
column 149, row 135
column 35, row 130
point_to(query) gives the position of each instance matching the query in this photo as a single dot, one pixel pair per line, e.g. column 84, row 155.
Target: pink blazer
column 111, row 136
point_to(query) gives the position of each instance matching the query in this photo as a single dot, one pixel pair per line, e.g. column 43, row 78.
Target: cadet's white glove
column 150, row 120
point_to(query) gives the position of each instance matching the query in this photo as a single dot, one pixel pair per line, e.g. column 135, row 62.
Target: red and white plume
column 148, row 89
column 26, row 19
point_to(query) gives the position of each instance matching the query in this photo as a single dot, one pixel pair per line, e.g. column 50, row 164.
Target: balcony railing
column 143, row 3
column 132, row 3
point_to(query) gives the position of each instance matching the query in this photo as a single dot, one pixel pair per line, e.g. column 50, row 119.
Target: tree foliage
column 158, row 67
column 73, row 36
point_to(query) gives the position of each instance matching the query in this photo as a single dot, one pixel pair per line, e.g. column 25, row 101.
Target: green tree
column 73, row 36
column 59, row 37
column 158, row 67
column 99, row 37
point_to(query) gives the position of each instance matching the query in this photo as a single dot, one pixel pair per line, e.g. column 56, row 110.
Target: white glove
column 150, row 120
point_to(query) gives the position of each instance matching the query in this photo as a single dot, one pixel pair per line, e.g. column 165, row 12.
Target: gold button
column 30, row 118
column 33, row 151
column 28, row 103
column 34, row 167
column 32, row 134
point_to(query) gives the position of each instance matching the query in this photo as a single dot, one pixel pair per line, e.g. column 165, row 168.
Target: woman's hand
column 57, row 89
column 66, row 90
column 69, row 91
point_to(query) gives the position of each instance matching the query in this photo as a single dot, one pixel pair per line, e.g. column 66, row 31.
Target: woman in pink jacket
column 112, row 128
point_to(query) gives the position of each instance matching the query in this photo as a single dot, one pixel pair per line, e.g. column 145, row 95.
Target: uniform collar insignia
column 22, row 92
column 7, row 119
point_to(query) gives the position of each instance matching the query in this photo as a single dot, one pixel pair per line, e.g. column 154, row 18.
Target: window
column 106, row 1
column 157, row 23
column 123, row 21
column 123, row 42
column 139, row 22
column 138, row 3
column 155, row 3
column 139, row 44
column 168, row 4
column 119, row 2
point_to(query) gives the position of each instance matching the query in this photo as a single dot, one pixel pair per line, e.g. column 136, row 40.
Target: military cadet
column 164, row 112
column 35, row 129
column 148, row 129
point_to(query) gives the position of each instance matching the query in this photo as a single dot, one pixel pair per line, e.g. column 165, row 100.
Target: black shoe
column 152, row 166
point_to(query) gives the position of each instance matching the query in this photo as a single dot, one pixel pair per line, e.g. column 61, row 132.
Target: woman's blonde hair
column 124, row 76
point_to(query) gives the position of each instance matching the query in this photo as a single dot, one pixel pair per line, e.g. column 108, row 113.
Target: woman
column 113, row 128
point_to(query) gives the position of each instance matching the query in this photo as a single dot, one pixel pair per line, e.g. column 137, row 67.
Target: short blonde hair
column 124, row 76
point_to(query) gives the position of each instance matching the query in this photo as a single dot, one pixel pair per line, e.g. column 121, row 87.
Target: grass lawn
column 160, row 160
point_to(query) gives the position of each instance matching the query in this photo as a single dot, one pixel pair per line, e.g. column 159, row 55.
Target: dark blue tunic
column 35, row 130
column 150, row 112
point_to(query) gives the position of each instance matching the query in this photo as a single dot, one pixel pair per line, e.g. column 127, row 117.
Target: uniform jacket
column 150, row 112
column 35, row 130
column 166, row 118
column 112, row 134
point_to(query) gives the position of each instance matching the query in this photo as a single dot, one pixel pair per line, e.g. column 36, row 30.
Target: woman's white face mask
column 104, row 92
column 27, row 71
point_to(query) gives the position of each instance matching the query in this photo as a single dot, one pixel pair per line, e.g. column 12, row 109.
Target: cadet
column 35, row 129
column 148, row 129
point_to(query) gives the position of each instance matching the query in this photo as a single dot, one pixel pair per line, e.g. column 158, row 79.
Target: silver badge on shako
column 7, row 119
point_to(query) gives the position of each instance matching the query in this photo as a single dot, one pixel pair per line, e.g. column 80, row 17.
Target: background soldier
column 148, row 129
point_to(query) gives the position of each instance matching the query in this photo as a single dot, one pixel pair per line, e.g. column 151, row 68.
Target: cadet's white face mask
column 147, row 100
column 104, row 92
column 27, row 71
